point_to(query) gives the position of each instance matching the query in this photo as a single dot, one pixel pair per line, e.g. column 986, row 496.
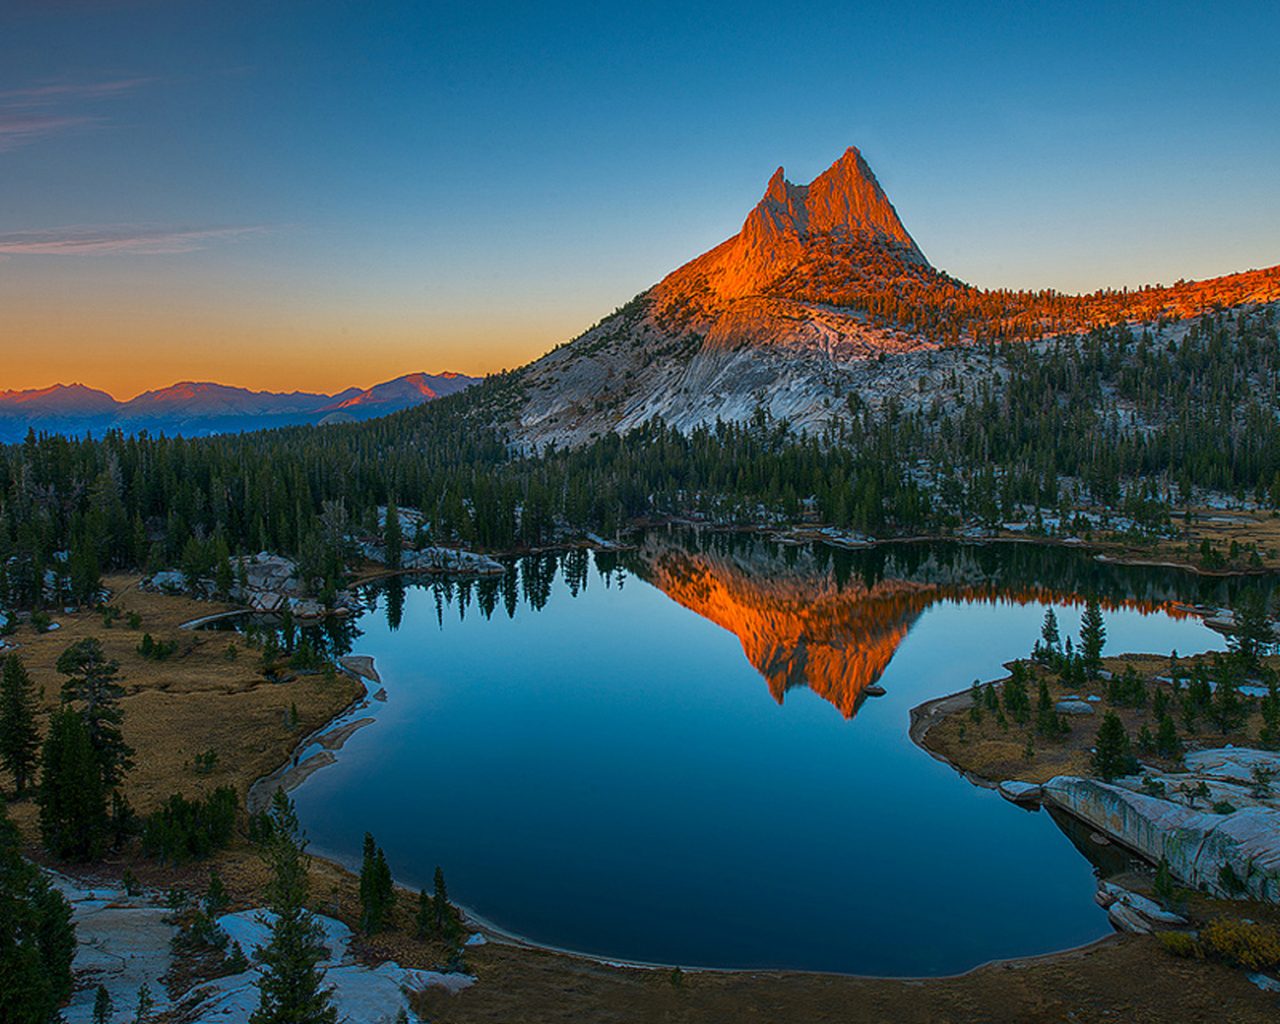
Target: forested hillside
column 1139, row 421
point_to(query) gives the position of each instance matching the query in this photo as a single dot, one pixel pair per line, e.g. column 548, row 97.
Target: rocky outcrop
column 266, row 583
column 1134, row 913
column 437, row 560
column 1228, row 854
column 1018, row 792
column 452, row 561
column 124, row 941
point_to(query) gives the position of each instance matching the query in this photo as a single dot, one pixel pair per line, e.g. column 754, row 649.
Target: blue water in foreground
column 609, row 774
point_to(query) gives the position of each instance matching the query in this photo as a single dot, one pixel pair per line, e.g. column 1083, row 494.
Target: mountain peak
column 846, row 198
column 844, row 203
column 777, row 187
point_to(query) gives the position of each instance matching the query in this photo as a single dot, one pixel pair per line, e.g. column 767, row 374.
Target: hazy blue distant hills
column 193, row 409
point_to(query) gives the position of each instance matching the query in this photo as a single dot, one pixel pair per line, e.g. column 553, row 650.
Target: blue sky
column 317, row 194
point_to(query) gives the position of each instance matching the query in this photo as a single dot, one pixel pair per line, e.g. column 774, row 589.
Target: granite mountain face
column 821, row 295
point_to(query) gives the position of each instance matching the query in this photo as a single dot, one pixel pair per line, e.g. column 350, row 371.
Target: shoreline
column 922, row 718
column 926, row 715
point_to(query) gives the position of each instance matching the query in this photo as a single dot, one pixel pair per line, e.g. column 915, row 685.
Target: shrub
column 156, row 650
column 1179, row 944
column 184, row 829
column 1231, row 883
column 1247, row 944
column 206, row 762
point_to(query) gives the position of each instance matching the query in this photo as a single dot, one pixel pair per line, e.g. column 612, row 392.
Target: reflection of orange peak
column 800, row 632
column 804, row 630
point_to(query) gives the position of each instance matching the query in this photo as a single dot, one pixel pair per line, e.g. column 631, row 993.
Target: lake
column 667, row 755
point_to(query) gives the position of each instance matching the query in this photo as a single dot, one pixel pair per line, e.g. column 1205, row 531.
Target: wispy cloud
column 56, row 92
column 18, row 129
column 117, row 239
column 51, row 108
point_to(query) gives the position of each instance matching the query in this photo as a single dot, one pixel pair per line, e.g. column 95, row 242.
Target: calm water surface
column 602, row 761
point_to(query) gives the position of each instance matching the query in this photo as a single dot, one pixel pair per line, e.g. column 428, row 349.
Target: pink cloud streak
column 116, row 240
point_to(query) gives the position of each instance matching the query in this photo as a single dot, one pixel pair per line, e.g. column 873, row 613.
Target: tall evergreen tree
column 1049, row 634
column 446, row 917
column 1017, row 701
column 425, row 919
column 73, row 800
column 1047, row 721
column 1253, row 635
column 19, row 739
column 102, row 1006
column 1167, row 742
column 377, row 889
column 392, row 537
column 92, row 681
column 1112, row 754
column 291, row 988
column 1093, row 636
column 37, row 939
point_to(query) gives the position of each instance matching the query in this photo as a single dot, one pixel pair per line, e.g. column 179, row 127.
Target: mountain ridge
column 197, row 408
column 801, row 308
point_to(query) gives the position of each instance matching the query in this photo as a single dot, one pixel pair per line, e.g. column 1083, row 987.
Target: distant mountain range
column 192, row 409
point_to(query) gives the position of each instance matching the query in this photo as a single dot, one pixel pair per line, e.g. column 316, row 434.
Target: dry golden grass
column 194, row 701
column 1125, row 979
column 1250, row 531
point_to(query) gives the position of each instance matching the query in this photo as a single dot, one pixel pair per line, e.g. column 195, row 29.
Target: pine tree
column 37, row 939
column 1112, row 755
column 440, row 901
column 1047, row 721
column 1016, row 699
column 1093, row 636
column 19, row 739
column 291, row 989
column 376, row 887
column 215, row 897
column 92, row 680
column 424, row 919
column 102, row 1006
column 73, row 802
column 1253, row 636
column 1049, row 634
column 1167, row 742
column 1269, row 734
column 392, row 538
column 224, row 578
column 384, row 884
column 1227, row 709
column 146, row 1003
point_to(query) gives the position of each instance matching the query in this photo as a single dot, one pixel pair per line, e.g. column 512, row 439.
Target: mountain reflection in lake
column 584, row 748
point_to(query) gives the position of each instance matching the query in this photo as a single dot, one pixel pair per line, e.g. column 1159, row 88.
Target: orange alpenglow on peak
column 843, row 205
column 845, row 198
